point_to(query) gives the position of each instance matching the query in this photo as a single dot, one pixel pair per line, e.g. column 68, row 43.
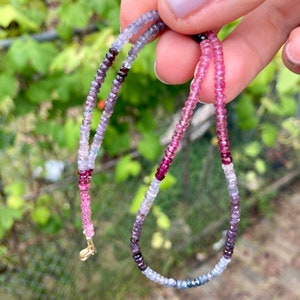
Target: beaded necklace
column 211, row 49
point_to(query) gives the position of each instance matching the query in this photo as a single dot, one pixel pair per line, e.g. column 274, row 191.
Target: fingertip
column 157, row 75
column 203, row 15
column 291, row 51
column 176, row 58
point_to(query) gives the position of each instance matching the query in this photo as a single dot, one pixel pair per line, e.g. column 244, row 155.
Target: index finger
column 196, row 16
column 206, row 16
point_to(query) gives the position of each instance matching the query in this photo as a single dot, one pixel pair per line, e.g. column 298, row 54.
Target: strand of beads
column 99, row 79
column 151, row 32
column 209, row 48
column 87, row 154
column 224, row 147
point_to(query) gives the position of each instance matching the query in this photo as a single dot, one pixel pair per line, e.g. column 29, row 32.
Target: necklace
column 211, row 49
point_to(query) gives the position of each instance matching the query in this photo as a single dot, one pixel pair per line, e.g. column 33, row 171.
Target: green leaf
column 138, row 198
column 169, row 181
column 42, row 55
column 35, row 10
column 71, row 134
column 8, row 217
column 149, row 146
column 6, row 222
column 53, row 225
column 253, row 149
column 58, row 135
column 15, row 188
column 269, row 134
column 291, row 125
column 8, row 84
column 65, row 32
column 288, row 83
column 75, row 15
column 109, row 10
column 27, row 53
column 39, row 91
column 66, row 88
column 146, row 121
column 15, row 201
column 162, row 220
column 127, row 167
column 9, row 14
column 246, row 113
column 271, row 106
column 68, row 60
column 288, row 106
column 7, row 139
column 260, row 85
column 18, row 54
column 41, row 215
column 260, row 166
column 43, row 200
column 115, row 142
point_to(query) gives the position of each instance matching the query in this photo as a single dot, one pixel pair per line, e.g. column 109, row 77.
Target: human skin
column 265, row 27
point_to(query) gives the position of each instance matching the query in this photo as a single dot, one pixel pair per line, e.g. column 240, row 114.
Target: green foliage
column 246, row 113
column 8, row 216
column 8, row 85
column 74, row 14
column 149, row 146
column 253, row 149
column 28, row 56
column 288, row 82
column 269, row 134
column 127, row 167
column 41, row 215
column 273, row 92
column 261, row 84
column 10, row 13
column 267, row 110
column 162, row 220
column 14, row 208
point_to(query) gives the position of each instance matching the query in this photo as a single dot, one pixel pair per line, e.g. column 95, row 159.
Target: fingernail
column 157, row 75
column 293, row 56
column 203, row 102
column 182, row 8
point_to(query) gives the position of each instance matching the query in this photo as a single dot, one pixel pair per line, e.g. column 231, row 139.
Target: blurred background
column 49, row 53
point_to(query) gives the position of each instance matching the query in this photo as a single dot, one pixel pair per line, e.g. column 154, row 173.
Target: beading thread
column 211, row 50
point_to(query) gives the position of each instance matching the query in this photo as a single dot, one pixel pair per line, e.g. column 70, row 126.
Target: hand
column 265, row 27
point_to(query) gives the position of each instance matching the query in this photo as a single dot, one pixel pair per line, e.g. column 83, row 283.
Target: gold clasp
column 88, row 251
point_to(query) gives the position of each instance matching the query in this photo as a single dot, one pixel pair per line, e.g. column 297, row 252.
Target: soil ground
column 265, row 264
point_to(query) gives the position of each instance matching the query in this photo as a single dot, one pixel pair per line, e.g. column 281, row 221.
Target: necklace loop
column 211, row 50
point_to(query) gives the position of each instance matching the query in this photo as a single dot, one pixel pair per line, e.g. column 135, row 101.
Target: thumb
column 291, row 51
column 196, row 16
